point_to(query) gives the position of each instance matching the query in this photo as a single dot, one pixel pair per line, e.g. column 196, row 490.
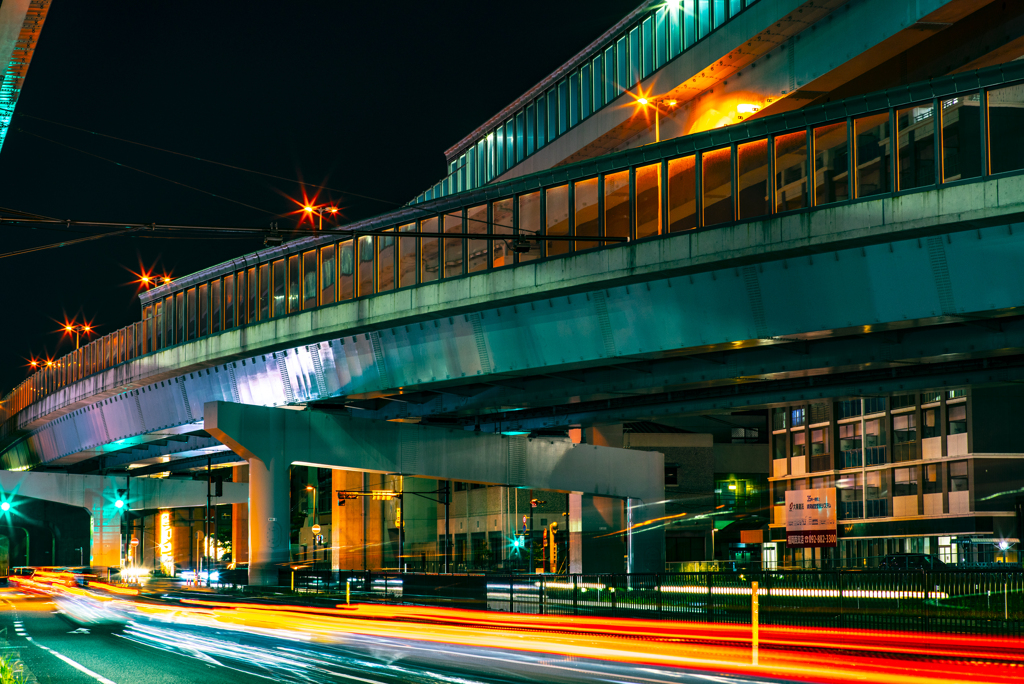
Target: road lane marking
column 78, row 666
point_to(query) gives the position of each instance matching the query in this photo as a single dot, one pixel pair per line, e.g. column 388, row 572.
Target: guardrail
column 950, row 601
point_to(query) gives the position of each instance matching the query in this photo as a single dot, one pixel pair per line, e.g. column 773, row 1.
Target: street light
column 77, row 329
column 656, row 104
column 316, row 516
column 319, row 211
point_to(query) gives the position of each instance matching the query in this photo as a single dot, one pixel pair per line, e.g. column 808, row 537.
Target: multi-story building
column 937, row 472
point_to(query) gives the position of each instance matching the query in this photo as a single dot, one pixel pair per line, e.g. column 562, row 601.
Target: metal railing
column 951, row 601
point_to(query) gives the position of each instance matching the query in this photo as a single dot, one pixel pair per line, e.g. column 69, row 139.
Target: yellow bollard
column 753, row 622
column 293, row 580
column 348, row 592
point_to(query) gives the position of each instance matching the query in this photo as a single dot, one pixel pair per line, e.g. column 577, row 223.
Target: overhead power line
column 147, row 173
column 217, row 163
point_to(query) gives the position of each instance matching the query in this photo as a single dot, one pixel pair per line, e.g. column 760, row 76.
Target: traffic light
column 5, row 507
column 384, row 494
column 121, row 500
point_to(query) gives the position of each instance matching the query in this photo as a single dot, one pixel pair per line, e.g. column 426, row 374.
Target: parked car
column 911, row 561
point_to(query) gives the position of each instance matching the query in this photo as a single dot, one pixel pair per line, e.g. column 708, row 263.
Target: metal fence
column 951, row 601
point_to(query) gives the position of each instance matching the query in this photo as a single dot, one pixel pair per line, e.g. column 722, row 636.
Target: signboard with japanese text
column 811, row 518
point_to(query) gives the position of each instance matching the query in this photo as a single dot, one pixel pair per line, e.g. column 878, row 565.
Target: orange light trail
column 878, row 656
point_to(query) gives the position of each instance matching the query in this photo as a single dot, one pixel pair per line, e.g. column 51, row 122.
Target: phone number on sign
column 811, row 539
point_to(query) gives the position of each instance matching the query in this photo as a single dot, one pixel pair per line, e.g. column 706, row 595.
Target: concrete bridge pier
column 272, row 439
column 269, row 518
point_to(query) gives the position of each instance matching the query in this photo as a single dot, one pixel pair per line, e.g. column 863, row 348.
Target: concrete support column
column 269, row 518
column 104, row 526
column 240, row 521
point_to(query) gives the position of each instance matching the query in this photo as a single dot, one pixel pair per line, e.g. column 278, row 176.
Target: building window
column 904, row 438
column 876, row 493
column 365, row 274
column 791, row 171
column 851, row 495
column 752, row 179
column 648, row 201
column 204, row 310
column 779, row 419
column 798, row 417
column 190, row 321
column 293, row 284
column 529, row 223
column 216, row 303
column 501, row 217
column 1006, row 153
column 616, row 204
column 874, row 146
column 916, row 131
column 779, row 446
column 278, row 288
column 716, row 179
column 848, row 408
column 932, row 426
column 958, row 481
column 819, row 452
column 831, row 159
column 385, row 262
column 957, row 419
column 874, row 442
column 745, row 436
column 430, row 250
column 932, row 484
column 682, row 194
column 961, row 138
column 347, row 270
column 799, row 443
column 556, row 205
column 903, row 401
column 906, row 482
column 874, row 405
column 327, row 269
column 309, row 287
column 587, row 218
column 476, row 250
column 850, row 445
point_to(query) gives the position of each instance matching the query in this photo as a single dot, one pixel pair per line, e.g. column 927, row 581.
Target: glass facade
column 653, row 38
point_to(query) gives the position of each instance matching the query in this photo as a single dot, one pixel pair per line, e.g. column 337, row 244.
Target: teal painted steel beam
column 21, row 22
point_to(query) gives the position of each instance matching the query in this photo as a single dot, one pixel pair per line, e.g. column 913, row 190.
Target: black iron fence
column 957, row 601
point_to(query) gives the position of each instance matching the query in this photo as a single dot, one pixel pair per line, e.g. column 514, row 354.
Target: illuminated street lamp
column 656, row 104
column 77, row 329
column 319, row 211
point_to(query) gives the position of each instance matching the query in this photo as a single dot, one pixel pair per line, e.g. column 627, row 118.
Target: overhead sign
column 811, row 518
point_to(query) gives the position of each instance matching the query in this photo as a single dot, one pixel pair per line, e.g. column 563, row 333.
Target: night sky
column 362, row 97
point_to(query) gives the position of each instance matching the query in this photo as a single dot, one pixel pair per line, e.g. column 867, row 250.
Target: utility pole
column 400, row 507
column 206, row 522
column 447, row 520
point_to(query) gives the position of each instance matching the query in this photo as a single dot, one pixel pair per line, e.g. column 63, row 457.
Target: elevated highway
column 913, row 286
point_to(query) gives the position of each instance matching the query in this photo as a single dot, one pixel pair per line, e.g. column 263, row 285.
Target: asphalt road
column 169, row 652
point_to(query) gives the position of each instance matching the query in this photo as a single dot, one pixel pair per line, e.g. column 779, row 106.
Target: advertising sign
column 811, row 518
